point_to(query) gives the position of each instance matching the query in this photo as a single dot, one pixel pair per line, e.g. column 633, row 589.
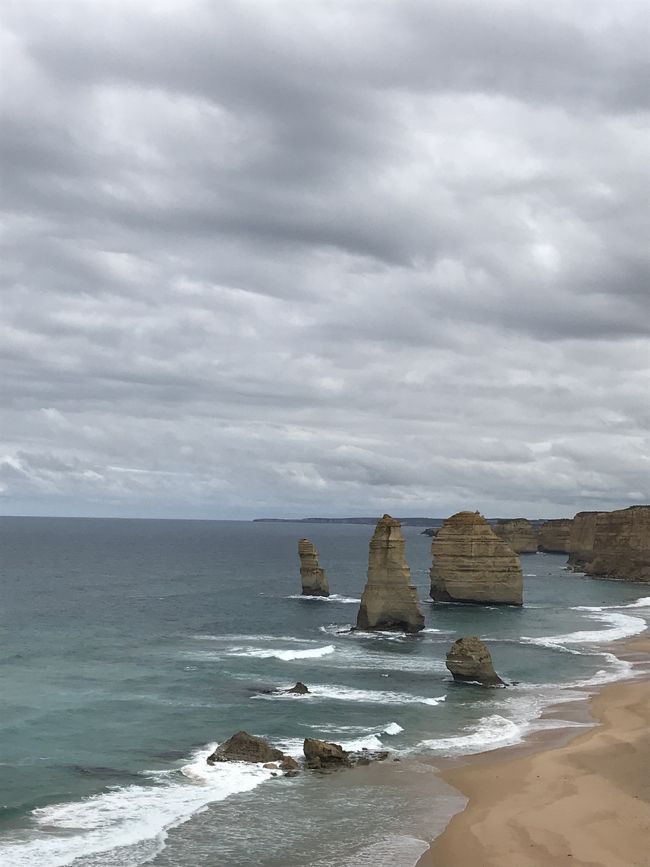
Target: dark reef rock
column 323, row 755
column 242, row 747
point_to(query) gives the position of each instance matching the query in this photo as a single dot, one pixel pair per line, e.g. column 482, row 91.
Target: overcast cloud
column 324, row 257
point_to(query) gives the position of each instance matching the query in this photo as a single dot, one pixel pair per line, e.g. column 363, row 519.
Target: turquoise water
column 129, row 648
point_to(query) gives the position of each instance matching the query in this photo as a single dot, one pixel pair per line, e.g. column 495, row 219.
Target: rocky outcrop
column 469, row 660
column 389, row 600
column 554, row 535
column 471, row 564
column 621, row 547
column 314, row 579
column 581, row 539
column 242, row 747
column 518, row 533
column 323, row 755
column 288, row 763
column 298, row 689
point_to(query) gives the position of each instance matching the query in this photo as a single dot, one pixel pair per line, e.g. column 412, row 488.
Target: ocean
column 131, row 647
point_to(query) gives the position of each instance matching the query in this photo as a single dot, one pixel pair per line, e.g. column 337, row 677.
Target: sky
column 324, row 257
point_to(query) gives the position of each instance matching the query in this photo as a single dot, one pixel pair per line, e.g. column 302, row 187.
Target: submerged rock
column 314, row 579
column 471, row 564
column 323, row 755
column 468, row 659
column 554, row 535
column 298, row 689
column 389, row 600
column 621, row 547
column 242, row 747
column 518, row 533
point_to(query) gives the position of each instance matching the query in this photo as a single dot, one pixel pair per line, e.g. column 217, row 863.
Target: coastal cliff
column 472, row 564
column 389, row 600
column 554, row 536
column 621, row 545
column 581, row 539
column 518, row 533
column 314, row 579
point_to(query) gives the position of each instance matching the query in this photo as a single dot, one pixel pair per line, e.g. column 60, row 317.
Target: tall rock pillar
column 389, row 600
column 314, row 579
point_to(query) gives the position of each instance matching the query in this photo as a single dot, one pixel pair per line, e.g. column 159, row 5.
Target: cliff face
column 581, row 539
column 554, row 535
column 471, row 564
column 621, row 547
column 389, row 600
column 518, row 533
column 314, row 579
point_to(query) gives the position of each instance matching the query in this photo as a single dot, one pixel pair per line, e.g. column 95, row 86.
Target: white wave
column 237, row 638
column 643, row 602
column 491, row 732
column 530, row 575
column 393, row 729
column 333, row 597
column 134, row 819
column 294, row 746
column 284, row 655
column 620, row 626
column 346, row 693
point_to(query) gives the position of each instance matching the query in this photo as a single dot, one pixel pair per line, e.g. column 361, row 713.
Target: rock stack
column 314, row 579
column 389, row 600
column 621, row 547
column 469, row 660
column 471, row 564
column 519, row 534
column 581, row 540
column 554, row 535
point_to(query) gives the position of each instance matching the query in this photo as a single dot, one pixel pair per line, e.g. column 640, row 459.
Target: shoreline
column 562, row 796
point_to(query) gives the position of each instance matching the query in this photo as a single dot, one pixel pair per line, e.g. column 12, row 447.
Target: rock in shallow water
column 314, row 580
column 242, row 747
column 323, row 755
column 468, row 659
column 389, row 600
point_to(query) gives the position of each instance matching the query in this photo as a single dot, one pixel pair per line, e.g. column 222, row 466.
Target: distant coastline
column 406, row 522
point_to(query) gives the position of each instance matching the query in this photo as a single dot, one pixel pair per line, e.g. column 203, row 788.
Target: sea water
column 131, row 648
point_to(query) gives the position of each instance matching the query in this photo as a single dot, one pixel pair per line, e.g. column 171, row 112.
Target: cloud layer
column 324, row 257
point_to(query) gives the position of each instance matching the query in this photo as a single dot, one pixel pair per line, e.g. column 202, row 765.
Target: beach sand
column 585, row 803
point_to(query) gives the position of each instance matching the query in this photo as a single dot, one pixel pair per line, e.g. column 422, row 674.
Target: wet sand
column 585, row 803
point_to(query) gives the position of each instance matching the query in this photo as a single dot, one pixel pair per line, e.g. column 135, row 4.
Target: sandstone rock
column 389, row 600
column 621, row 547
column 298, row 689
column 581, row 539
column 554, row 535
column 468, row 659
column 314, row 579
column 518, row 533
column 323, row 755
column 242, row 747
column 270, row 765
column 471, row 564
column 288, row 763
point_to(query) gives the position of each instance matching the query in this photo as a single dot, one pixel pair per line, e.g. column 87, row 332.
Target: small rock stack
column 314, row 580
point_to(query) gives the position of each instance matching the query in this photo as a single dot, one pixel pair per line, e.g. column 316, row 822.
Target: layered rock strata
column 471, row 564
column 469, row 660
column 554, row 535
column 518, row 533
column 621, row 547
column 314, row 579
column 581, row 539
column 389, row 600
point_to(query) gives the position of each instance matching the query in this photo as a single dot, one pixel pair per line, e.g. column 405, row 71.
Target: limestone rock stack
column 468, row 659
column 554, row 535
column 519, row 534
column 581, row 539
column 471, row 564
column 314, row 579
column 621, row 547
column 389, row 600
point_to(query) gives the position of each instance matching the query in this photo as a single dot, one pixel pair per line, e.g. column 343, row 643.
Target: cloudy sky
column 291, row 257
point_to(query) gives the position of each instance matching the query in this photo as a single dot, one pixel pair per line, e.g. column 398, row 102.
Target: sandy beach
column 585, row 803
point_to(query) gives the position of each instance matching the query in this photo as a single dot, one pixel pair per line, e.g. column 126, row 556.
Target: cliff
column 471, row 564
column 621, row 547
column 581, row 539
column 554, row 535
column 314, row 579
column 389, row 600
column 518, row 533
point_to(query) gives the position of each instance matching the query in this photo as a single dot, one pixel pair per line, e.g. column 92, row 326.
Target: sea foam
column 620, row 626
column 278, row 653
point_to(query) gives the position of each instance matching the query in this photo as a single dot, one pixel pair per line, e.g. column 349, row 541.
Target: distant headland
column 407, row 522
